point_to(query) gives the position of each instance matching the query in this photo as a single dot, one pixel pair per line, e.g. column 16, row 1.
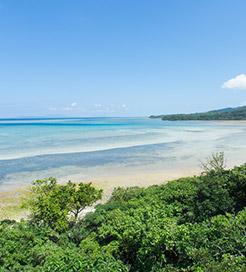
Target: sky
column 121, row 58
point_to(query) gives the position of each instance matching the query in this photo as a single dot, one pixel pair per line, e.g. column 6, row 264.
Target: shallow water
column 94, row 147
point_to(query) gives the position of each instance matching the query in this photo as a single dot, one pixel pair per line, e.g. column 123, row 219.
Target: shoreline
column 10, row 200
column 214, row 122
column 231, row 122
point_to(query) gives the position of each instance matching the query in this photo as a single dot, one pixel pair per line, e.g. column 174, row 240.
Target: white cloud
column 243, row 103
column 67, row 109
column 52, row 109
column 124, row 106
column 236, row 83
column 97, row 105
column 74, row 104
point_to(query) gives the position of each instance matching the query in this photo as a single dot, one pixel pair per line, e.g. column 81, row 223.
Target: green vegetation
column 215, row 162
column 53, row 204
column 190, row 224
column 222, row 114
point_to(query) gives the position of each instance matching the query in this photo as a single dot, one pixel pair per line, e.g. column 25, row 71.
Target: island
column 238, row 113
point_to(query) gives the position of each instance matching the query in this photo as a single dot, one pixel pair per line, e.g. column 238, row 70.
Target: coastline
column 10, row 200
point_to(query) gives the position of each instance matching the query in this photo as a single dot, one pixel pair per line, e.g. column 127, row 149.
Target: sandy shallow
column 10, row 200
column 231, row 123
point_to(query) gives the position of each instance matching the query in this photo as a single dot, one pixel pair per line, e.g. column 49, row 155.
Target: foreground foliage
column 191, row 224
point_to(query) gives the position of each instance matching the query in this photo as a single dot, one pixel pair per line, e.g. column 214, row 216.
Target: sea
column 32, row 149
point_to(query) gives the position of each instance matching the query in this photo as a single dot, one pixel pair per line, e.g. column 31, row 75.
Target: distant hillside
column 221, row 114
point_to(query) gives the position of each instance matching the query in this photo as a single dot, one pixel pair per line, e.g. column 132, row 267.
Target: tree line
column 226, row 114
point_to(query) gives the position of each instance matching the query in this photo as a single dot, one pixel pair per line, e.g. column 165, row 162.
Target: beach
column 140, row 180
column 10, row 200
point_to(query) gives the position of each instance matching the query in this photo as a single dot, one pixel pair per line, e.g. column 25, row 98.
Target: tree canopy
column 53, row 204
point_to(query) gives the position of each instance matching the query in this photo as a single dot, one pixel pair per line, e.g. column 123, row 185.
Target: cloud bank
column 236, row 83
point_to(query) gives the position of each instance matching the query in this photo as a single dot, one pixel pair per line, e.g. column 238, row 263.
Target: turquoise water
column 93, row 147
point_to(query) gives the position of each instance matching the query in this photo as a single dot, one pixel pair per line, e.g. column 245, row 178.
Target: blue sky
column 121, row 58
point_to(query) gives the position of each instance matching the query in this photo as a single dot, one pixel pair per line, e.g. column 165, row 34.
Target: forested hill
column 222, row 114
